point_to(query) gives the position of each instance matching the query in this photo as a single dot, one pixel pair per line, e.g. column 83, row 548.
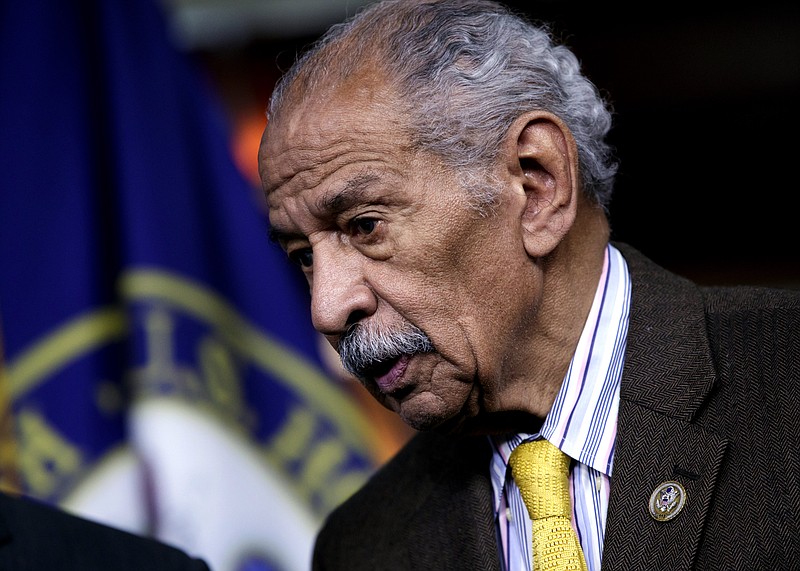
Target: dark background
column 706, row 103
column 706, row 123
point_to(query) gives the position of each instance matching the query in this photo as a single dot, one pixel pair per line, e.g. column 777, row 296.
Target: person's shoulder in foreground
column 37, row 537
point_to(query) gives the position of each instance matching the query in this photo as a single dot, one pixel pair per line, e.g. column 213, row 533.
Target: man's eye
column 363, row 226
column 303, row 257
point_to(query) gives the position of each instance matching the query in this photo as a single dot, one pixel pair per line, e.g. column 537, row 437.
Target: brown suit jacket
column 710, row 397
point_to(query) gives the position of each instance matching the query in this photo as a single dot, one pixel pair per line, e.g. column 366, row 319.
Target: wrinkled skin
column 386, row 234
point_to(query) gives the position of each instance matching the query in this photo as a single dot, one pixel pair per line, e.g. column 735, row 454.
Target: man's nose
column 340, row 294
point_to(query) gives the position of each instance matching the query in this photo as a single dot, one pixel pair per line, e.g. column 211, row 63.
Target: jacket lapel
column 668, row 374
column 454, row 527
column 653, row 449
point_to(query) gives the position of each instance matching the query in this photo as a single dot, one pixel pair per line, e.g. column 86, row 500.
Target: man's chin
column 464, row 425
column 424, row 423
column 433, row 419
column 431, row 406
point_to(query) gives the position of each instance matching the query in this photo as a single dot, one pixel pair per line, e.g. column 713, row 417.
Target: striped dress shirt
column 582, row 423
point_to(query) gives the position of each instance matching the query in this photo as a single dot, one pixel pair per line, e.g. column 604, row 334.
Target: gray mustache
column 365, row 346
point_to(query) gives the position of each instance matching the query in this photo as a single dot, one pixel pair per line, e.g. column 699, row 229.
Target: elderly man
column 439, row 172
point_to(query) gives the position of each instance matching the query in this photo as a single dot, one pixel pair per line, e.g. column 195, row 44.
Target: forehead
column 309, row 140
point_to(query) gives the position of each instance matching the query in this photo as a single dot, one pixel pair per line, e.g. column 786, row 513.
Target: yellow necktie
column 541, row 472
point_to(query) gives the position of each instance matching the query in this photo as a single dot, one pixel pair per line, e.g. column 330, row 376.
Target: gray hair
column 465, row 70
column 368, row 344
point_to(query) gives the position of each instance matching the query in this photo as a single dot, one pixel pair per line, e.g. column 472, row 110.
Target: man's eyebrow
column 280, row 237
column 349, row 195
column 332, row 203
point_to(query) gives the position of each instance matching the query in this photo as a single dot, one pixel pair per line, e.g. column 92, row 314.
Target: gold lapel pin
column 667, row 501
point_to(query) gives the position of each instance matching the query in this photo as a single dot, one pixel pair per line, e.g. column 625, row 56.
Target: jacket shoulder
column 46, row 537
column 427, row 507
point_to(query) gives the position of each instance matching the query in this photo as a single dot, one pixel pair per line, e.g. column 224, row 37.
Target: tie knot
column 541, row 472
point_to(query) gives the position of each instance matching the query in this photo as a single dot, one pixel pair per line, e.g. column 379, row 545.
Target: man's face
column 388, row 242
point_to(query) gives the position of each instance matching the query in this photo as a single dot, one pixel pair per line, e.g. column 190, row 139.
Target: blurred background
column 159, row 371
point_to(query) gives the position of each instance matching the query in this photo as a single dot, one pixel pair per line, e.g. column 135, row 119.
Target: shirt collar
column 583, row 419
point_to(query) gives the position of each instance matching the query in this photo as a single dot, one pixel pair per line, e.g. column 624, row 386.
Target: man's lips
column 389, row 381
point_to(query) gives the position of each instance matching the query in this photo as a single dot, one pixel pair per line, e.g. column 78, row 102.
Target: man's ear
column 544, row 164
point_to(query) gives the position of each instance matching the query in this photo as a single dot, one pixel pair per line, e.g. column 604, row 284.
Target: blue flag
column 158, row 357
